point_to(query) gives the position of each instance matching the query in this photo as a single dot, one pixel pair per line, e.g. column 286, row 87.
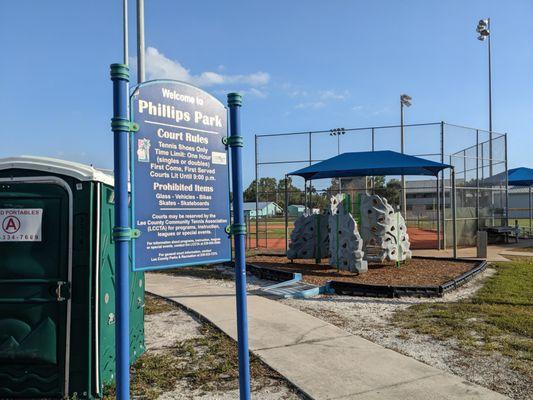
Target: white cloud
column 381, row 111
column 310, row 105
column 158, row 66
column 255, row 92
column 333, row 95
column 357, row 108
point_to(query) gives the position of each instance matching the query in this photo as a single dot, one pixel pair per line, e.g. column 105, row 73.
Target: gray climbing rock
column 309, row 238
column 345, row 242
column 383, row 230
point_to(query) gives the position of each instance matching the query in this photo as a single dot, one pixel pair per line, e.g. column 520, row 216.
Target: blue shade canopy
column 520, row 176
column 370, row 163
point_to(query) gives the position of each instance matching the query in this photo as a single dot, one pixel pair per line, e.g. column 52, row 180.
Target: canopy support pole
column 530, row 211
column 438, row 215
column 454, row 214
column 286, row 213
column 305, row 195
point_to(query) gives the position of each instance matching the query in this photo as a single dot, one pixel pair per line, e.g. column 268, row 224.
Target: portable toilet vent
column 57, row 268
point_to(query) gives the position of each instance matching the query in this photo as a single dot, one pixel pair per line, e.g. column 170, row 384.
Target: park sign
column 179, row 176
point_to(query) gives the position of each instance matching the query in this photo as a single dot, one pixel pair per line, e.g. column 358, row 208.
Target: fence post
column 454, row 214
column 443, row 188
column 234, row 103
column 256, row 197
column 506, row 186
column 477, row 181
column 120, row 124
column 286, row 213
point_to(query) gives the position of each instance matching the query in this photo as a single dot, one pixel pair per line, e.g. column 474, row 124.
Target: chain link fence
column 479, row 158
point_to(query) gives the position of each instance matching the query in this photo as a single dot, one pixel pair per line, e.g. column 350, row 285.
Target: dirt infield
column 420, row 239
column 415, row 272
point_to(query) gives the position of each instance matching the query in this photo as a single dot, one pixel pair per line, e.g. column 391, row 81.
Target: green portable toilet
column 57, row 296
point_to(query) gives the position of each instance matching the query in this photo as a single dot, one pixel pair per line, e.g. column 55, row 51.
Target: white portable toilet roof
column 76, row 170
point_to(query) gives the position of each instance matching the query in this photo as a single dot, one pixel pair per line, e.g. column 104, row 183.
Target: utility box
column 57, row 274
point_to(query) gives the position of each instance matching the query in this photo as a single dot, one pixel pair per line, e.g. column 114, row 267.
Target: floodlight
column 405, row 100
column 483, row 23
column 480, row 37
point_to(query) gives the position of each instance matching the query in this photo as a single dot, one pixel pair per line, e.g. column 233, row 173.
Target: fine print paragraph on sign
column 180, row 176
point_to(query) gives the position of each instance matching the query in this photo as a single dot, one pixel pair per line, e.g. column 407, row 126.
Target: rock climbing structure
column 309, row 238
column 345, row 242
column 383, row 230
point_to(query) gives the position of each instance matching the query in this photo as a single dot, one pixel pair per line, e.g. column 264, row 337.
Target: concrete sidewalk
column 321, row 360
column 495, row 253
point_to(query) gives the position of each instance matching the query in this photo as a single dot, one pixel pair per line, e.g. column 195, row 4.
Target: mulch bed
column 415, row 272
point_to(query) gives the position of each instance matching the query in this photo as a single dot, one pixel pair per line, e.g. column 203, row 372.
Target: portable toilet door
column 57, row 299
column 35, row 275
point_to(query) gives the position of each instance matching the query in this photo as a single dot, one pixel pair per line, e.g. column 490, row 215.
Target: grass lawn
column 208, row 363
column 498, row 318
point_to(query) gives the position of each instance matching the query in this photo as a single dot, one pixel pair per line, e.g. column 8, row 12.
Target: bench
column 501, row 232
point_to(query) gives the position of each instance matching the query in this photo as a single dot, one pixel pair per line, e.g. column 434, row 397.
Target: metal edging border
column 387, row 291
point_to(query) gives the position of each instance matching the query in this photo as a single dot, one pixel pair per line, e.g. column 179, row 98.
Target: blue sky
column 302, row 65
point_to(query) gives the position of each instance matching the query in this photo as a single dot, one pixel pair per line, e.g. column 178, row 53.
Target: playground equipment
column 384, row 231
column 309, row 238
column 345, row 242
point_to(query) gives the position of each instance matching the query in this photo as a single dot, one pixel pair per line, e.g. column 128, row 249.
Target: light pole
column 483, row 31
column 405, row 101
column 338, row 132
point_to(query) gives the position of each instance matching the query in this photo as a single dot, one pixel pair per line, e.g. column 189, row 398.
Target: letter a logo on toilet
column 11, row 225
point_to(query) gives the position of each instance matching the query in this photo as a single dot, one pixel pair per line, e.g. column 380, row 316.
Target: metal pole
column 234, row 104
column 506, row 185
column 402, row 140
column 120, row 124
column 125, row 31
column 140, row 41
column 438, row 214
column 477, row 180
column 443, row 186
column 308, row 199
column 530, row 211
column 490, row 98
column 373, row 149
column 305, row 195
column 286, row 214
column 256, row 197
column 454, row 215
column 339, row 152
column 247, row 217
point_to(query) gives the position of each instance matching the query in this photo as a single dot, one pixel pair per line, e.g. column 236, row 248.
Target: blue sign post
column 121, row 126
column 235, row 141
column 179, row 176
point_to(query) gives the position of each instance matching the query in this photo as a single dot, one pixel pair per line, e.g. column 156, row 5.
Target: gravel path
column 268, row 393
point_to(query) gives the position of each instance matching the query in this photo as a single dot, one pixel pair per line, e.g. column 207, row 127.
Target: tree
column 390, row 190
column 272, row 190
column 295, row 195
